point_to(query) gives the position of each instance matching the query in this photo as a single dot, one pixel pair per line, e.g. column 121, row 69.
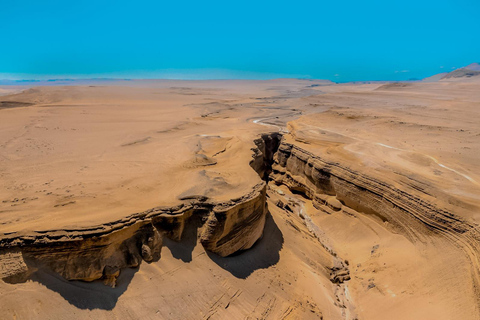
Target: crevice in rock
column 263, row 157
column 101, row 252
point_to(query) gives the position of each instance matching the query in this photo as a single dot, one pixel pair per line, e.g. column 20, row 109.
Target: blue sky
column 338, row 40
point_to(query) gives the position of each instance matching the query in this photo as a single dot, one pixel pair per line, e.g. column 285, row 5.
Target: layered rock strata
column 100, row 252
column 406, row 208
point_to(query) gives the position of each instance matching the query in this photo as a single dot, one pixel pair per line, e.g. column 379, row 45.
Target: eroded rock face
column 266, row 147
column 331, row 183
column 98, row 257
column 404, row 207
column 13, row 267
column 101, row 252
column 233, row 228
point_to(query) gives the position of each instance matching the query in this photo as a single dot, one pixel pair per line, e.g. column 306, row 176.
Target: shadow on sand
column 86, row 295
column 265, row 253
column 96, row 295
column 183, row 250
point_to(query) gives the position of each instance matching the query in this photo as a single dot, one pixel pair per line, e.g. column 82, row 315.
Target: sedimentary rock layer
column 100, row 252
column 404, row 208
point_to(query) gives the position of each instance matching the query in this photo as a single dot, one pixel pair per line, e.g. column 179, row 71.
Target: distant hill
column 473, row 67
column 435, row 77
column 472, row 70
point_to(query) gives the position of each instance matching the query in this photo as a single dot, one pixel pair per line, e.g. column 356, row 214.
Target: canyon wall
column 406, row 209
column 100, row 252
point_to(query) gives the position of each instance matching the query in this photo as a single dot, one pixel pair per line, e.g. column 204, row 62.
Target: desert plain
column 240, row 199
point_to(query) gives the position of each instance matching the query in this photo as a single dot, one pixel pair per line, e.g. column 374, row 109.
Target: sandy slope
column 80, row 156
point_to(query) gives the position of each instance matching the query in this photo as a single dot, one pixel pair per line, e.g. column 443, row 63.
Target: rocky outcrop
column 100, row 252
column 266, row 147
column 335, row 184
column 406, row 208
column 232, row 228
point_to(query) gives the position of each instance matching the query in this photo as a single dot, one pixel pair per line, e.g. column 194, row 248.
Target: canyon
column 278, row 199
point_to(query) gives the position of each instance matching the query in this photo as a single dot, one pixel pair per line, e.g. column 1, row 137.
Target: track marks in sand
column 224, row 301
column 348, row 148
column 434, row 160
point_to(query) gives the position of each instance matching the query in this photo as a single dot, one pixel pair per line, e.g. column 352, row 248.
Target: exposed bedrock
column 99, row 257
column 100, row 252
column 406, row 208
column 230, row 229
column 266, row 147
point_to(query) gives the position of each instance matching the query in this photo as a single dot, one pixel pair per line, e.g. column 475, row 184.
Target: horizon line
column 202, row 74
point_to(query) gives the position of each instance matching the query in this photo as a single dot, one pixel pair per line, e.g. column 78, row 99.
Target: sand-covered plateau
column 236, row 199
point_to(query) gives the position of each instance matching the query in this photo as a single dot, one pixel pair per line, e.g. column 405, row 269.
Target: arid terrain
column 236, row 199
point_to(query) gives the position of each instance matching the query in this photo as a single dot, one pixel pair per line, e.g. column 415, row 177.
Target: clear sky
column 338, row 40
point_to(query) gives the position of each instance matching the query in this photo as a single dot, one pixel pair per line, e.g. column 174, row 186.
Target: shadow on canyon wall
column 96, row 295
column 264, row 254
column 183, row 250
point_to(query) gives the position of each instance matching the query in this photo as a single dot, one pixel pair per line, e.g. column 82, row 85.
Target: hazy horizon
column 200, row 74
column 347, row 41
